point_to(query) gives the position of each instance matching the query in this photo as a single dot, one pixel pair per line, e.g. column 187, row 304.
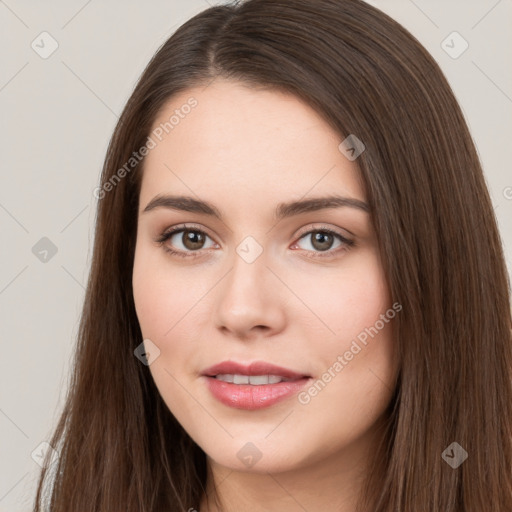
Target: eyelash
column 166, row 235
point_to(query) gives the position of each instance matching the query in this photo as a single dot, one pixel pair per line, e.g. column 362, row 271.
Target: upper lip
column 254, row 368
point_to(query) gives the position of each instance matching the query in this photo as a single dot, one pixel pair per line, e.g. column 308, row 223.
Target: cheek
column 161, row 300
column 365, row 382
column 356, row 385
column 161, row 295
column 149, row 297
column 170, row 308
column 357, row 354
column 347, row 299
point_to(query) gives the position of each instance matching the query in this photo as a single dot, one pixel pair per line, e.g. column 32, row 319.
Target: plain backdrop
column 67, row 69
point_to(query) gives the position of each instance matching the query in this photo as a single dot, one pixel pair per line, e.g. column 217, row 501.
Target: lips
column 252, row 386
column 256, row 368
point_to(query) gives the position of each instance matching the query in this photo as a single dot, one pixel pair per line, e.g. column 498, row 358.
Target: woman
column 298, row 298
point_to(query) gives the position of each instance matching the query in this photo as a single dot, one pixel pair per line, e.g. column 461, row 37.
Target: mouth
column 253, row 380
column 252, row 386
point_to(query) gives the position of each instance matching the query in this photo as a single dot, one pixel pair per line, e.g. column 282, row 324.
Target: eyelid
column 183, row 227
column 322, row 227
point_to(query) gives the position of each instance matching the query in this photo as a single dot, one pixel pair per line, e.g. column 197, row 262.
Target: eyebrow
column 283, row 210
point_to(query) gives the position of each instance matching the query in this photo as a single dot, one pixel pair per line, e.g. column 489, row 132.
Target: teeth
column 255, row 380
column 240, row 379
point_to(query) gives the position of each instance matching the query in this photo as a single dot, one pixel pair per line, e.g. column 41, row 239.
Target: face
column 262, row 278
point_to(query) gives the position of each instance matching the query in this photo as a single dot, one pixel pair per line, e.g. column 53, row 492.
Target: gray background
column 57, row 114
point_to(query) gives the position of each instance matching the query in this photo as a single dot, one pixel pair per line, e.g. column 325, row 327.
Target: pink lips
column 249, row 396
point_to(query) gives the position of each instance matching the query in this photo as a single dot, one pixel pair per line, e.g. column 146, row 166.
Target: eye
column 324, row 240
column 187, row 239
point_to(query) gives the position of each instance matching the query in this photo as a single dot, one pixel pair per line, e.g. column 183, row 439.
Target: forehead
column 238, row 143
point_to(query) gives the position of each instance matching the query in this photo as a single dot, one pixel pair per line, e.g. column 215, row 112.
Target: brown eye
column 322, row 241
column 183, row 241
column 193, row 240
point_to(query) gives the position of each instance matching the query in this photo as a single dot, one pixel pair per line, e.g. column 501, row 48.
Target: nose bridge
column 249, row 275
column 247, row 297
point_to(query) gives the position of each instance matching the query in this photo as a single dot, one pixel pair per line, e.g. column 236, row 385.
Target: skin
column 246, row 151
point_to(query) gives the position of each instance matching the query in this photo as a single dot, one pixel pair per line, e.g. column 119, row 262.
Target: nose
column 249, row 301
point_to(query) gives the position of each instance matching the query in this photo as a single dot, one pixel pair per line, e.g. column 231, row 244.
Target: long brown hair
column 122, row 449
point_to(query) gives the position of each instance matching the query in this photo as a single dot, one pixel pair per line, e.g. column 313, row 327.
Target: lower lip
column 250, row 397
